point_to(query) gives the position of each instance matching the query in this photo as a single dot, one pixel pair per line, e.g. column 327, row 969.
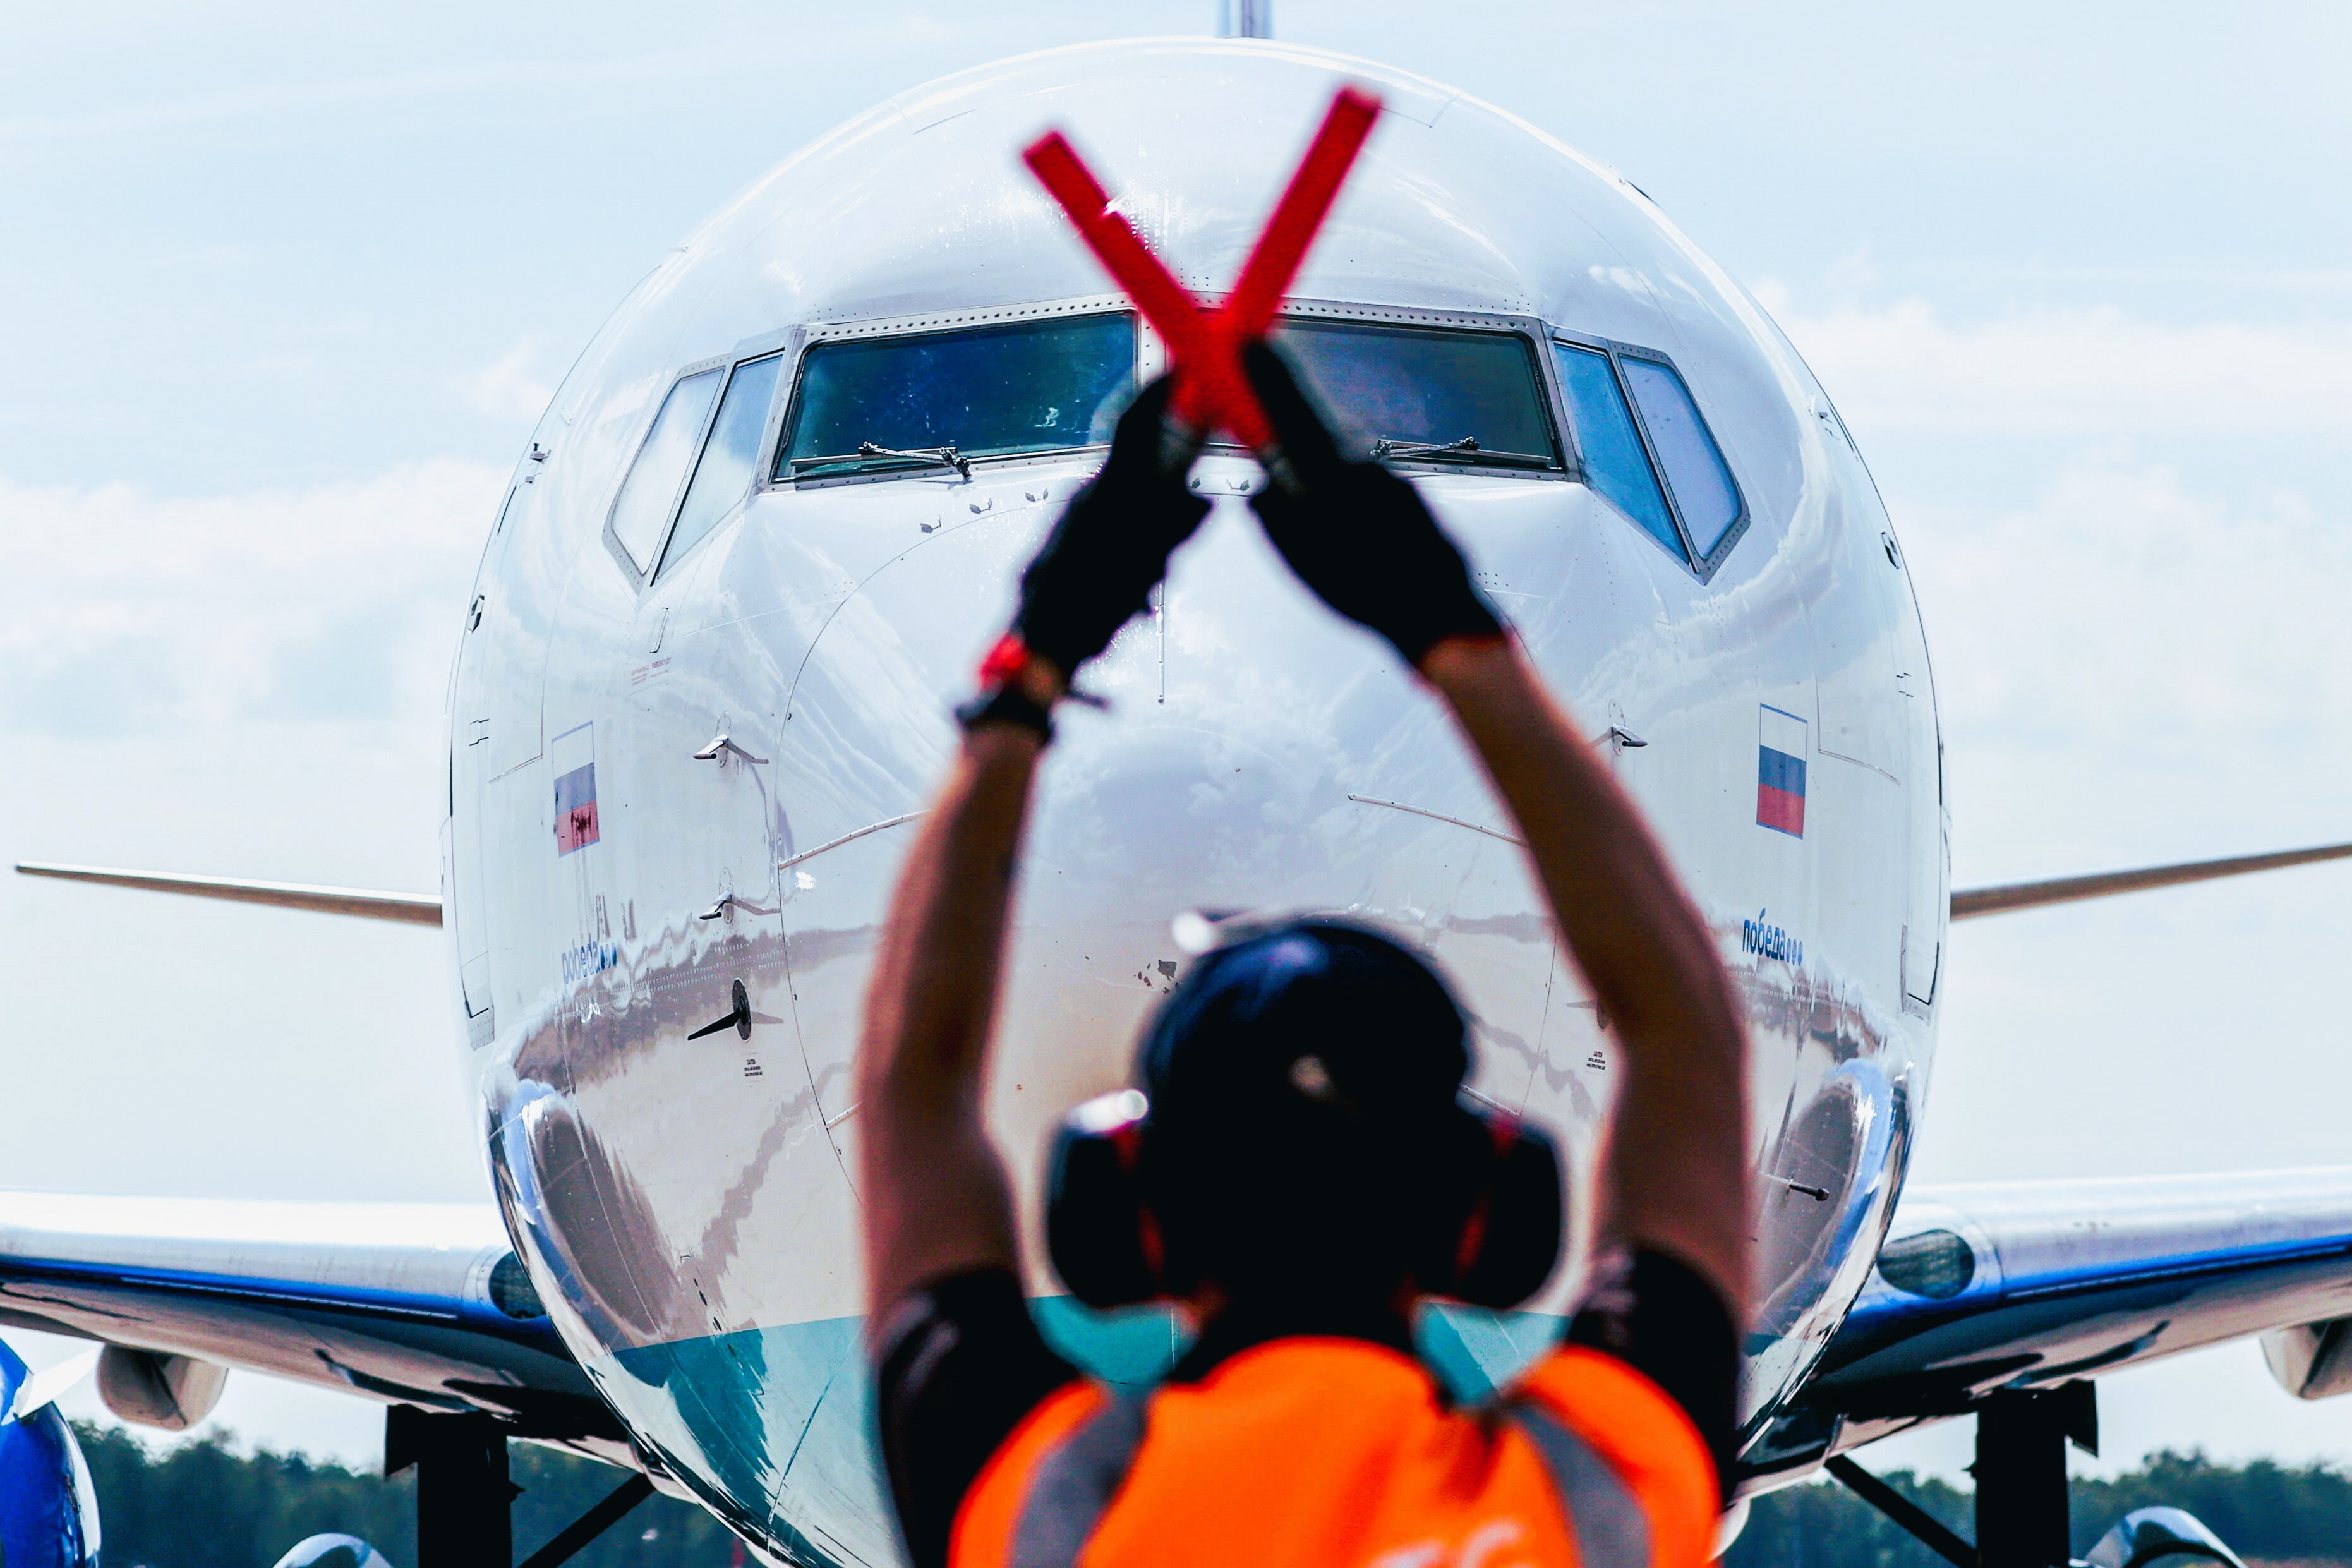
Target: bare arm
column 1364, row 541
column 936, row 1198
column 1676, row 1174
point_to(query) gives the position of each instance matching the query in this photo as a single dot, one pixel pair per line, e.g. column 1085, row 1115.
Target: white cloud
column 323, row 98
column 2074, row 373
column 310, row 98
column 508, row 387
column 2129, row 664
column 124, row 610
column 2120, row 595
column 2229, row 280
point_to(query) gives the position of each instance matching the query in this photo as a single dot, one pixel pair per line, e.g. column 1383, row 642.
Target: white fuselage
column 688, row 1207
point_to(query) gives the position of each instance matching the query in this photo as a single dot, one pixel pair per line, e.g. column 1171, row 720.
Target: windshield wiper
column 1389, row 446
column 938, row 457
column 1389, row 450
column 870, row 452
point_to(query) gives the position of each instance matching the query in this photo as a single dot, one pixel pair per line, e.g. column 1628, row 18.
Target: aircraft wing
column 421, row 1304
column 425, row 908
column 1988, row 1287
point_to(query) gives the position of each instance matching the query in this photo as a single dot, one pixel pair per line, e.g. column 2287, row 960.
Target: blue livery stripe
column 290, row 1295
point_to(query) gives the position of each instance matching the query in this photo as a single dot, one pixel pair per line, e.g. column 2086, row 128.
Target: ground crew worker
column 1300, row 1179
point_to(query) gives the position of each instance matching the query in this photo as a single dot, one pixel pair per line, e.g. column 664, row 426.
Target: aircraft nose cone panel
column 1247, row 734
column 1256, row 753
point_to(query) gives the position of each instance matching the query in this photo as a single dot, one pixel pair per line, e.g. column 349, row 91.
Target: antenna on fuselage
column 1245, row 18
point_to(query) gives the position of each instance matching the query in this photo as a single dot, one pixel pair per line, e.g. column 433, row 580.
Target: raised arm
column 936, row 1199
column 1676, row 1175
column 1677, row 1164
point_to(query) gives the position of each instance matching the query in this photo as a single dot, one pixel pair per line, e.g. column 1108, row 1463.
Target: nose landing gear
column 2021, row 1471
column 2021, row 1508
column 464, row 1498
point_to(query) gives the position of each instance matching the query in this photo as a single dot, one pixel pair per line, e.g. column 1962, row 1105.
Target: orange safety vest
column 1338, row 1453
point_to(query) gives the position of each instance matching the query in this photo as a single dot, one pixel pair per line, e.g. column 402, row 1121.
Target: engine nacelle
column 332, row 1551
column 2147, row 1536
column 149, row 1388
column 49, row 1513
column 2312, row 1361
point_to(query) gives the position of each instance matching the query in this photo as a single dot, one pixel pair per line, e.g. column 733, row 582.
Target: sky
column 283, row 289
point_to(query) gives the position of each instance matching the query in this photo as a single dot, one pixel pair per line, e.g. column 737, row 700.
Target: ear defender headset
column 1277, row 1050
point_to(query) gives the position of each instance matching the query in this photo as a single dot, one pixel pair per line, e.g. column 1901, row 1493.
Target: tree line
column 2263, row 1510
column 206, row 1505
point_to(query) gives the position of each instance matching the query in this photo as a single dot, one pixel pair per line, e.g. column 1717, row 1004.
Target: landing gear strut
column 2021, row 1472
column 463, row 1496
column 464, row 1500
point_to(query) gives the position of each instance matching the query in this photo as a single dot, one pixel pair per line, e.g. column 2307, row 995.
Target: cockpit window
column 1695, row 471
column 938, row 400
column 1610, row 444
column 642, row 511
column 729, row 455
column 1423, row 395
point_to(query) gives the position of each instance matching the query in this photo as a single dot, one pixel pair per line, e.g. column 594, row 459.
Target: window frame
column 1534, row 337
column 1703, row 567
column 759, row 451
column 745, row 351
column 820, row 333
column 644, row 575
column 794, row 344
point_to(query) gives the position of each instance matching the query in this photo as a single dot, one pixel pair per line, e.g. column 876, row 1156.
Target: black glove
column 1098, row 566
column 1357, row 534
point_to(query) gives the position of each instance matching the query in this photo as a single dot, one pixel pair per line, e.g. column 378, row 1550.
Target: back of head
column 1306, row 1138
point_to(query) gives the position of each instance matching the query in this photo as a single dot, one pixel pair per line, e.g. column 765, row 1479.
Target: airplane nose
column 1255, row 752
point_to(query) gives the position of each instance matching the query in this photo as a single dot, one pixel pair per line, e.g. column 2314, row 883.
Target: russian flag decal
column 1781, row 772
column 574, row 752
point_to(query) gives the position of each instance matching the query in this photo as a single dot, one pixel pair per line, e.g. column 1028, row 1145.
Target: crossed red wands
column 1205, row 342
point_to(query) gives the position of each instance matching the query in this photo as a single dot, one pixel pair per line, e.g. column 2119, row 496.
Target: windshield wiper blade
column 938, row 457
column 942, row 457
column 1388, row 449
column 1389, row 446
column 873, row 452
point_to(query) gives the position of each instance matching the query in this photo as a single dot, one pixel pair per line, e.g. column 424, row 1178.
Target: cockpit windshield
column 938, row 400
column 1421, row 394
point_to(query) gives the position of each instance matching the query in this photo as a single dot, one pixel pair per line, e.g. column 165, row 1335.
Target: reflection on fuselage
column 744, row 730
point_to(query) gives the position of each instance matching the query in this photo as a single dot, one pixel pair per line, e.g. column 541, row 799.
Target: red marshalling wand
column 1205, row 342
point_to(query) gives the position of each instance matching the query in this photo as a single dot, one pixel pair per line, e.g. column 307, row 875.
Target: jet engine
column 2312, row 1361
column 332, row 1551
column 147, row 1388
column 2147, row 1536
column 49, row 1513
